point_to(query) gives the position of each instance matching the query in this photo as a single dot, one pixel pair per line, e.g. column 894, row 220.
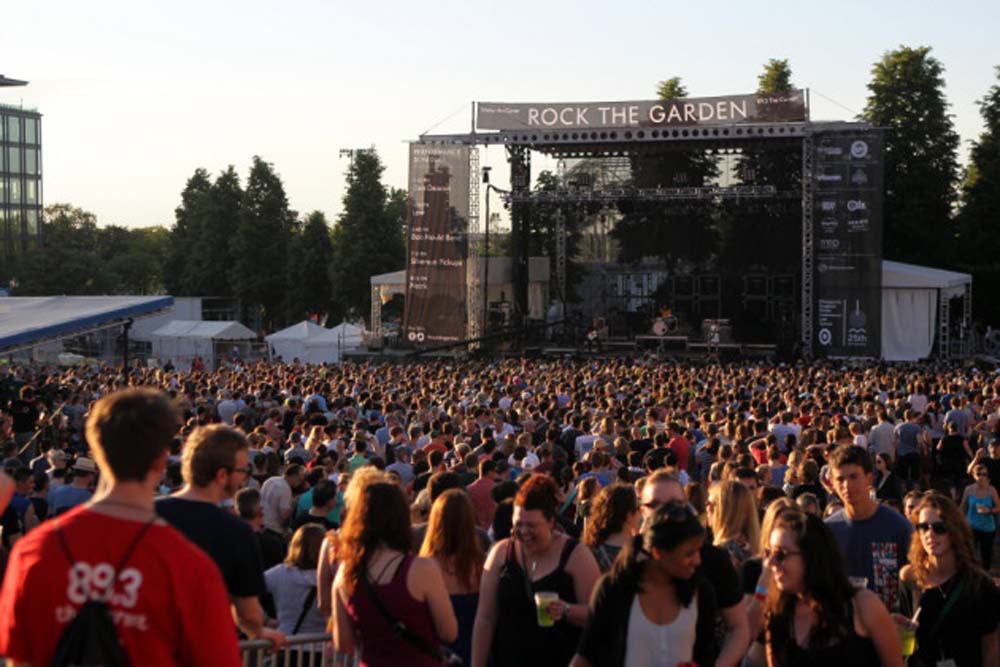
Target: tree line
column 233, row 240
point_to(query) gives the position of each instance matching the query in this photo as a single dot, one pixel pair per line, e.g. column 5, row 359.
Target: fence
column 305, row 650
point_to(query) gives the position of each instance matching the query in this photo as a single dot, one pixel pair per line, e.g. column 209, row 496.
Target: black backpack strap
column 310, row 598
column 128, row 551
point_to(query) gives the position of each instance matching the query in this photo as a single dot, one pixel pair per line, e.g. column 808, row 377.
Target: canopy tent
column 329, row 345
column 180, row 341
column 291, row 343
column 916, row 309
column 25, row 321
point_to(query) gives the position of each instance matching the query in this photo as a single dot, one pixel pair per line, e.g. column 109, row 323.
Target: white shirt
column 276, row 501
column 651, row 645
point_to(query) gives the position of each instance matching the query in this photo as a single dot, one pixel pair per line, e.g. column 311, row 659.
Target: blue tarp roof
column 27, row 319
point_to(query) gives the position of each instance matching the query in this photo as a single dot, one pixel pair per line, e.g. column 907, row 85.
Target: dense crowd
column 506, row 513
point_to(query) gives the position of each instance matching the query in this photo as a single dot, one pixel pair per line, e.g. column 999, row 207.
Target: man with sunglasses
column 215, row 467
column 873, row 538
column 662, row 487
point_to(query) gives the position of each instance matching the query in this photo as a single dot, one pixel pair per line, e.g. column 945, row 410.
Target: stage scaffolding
column 616, row 145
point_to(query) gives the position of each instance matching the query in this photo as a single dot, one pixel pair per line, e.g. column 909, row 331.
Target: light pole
column 486, row 253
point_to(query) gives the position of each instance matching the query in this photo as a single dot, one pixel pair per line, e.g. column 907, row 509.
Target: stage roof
column 899, row 275
column 25, row 320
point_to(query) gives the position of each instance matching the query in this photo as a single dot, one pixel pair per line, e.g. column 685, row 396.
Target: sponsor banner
column 847, row 233
column 788, row 106
column 437, row 245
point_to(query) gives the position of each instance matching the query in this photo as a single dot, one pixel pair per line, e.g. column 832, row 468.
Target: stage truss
column 620, row 143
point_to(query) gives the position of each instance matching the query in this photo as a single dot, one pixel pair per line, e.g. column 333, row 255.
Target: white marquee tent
column 182, row 340
column 916, row 308
column 292, row 342
column 330, row 344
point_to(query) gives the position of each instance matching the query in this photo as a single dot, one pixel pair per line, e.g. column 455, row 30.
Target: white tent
column 916, row 309
column 292, row 342
column 182, row 340
column 328, row 345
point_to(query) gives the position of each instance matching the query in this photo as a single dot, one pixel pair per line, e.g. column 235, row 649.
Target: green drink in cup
column 542, row 600
column 907, row 630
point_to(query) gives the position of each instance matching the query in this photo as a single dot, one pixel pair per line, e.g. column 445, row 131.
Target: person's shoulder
column 893, row 518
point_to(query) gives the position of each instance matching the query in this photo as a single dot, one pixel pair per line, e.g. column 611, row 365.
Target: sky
column 136, row 95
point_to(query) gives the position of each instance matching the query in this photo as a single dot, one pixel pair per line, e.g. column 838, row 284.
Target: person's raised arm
column 344, row 632
column 324, row 579
column 486, row 612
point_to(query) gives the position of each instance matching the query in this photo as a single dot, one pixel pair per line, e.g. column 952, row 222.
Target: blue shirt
column 67, row 497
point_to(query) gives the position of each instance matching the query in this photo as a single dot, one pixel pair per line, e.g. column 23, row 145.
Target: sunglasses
column 938, row 527
column 779, row 555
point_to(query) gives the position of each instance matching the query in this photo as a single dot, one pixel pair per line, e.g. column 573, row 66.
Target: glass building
column 20, row 179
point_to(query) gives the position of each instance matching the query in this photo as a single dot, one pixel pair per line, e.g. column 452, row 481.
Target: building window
column 14, row 223
column 31, row 161
column 3, row 192
column 31, row 130
column 30, row 191
column 13, row 159
column 14, row 192
column 13, row 129
column 31, row 222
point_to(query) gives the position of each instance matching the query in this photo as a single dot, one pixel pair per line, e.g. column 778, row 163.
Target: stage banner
column 788, row 106
column 847, row 233
column 437, row 245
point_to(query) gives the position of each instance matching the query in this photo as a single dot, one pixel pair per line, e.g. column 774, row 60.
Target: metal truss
column 710, row 193
column 474, row 299
column 808, row 252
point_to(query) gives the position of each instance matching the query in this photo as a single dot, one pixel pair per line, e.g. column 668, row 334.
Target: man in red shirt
column 679, row 444
column 167, row 598
column 481, row 494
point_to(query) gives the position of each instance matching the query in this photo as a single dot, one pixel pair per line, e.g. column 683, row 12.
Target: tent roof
column 900, row 275
column 392, row 278
column 301, row 331
column 216, row 330
column 25, row 320
column 343, row 331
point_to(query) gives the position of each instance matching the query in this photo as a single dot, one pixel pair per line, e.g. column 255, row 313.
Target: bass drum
column 664, row 326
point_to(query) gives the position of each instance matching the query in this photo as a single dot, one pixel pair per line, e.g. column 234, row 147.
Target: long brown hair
column 303, row 551
column 824, row 580
column 959, row 534
column 451, row 538
column 609, row 512
column 379, row 516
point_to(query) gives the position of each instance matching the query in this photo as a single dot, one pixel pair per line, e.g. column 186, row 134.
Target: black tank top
column 518, row 640
column 852, row 649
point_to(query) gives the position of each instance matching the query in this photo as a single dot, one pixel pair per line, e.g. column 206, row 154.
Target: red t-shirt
column 169, row 603
column 682, row 448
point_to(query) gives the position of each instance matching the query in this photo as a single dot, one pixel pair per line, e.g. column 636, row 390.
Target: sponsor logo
column 856, row 205
column 825, row 337
column 829, row 244
column 828, row 205
column 859, row 149
column 416, row 336
column 859, row 177
column 829, row 178
column 833, row 151
column 829, row 225
column 859, row 225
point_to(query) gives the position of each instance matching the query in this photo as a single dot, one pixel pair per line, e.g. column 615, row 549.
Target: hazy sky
column 136, row 95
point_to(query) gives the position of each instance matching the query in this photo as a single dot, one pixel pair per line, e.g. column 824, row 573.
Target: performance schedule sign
column 847, row 232
column 788, row 106
column 437, row 245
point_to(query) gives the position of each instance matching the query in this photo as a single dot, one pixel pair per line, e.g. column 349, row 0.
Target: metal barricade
column 305, row 650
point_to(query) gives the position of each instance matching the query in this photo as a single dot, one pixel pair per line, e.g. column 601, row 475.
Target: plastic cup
column 542, row 600
column 907, row 635
column 858, row 582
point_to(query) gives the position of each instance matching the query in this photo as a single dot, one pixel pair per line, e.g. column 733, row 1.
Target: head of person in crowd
column 215, row 460
column 659, row 488
column 732, row 514
column 941, row 532
column 535, row 507
column 303, row 550
column 614, row 510
column 378, row 517
column 852, row 475
column 451, row 538
column 808, row 503
column 698, row 497
column 129, row 433
column 248, row 507
column 910, row 502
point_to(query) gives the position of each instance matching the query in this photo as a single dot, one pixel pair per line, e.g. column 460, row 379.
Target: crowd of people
column 504, row 513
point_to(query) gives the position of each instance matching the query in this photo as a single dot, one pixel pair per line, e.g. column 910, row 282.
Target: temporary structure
column 916, row 309
column 180, row 341
column 291, row 343
column 329, row 345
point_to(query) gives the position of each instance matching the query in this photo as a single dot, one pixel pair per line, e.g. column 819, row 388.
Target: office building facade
column 20, row 180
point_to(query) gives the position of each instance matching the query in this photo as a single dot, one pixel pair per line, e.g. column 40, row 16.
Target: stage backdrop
column 788, row 106
column 437, row 244
column 847, row 233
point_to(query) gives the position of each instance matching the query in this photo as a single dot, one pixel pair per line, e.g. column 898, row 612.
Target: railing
column 305, row 650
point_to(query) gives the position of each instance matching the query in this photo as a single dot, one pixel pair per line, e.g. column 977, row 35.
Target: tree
column 310, row 290
column 979, row 233
column 180, row 271
column 921, row 166
column 368, row 238
column 133, row 258
column 212, row 256
column 260, row 244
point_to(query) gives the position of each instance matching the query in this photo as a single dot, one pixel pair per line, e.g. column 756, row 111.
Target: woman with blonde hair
column 732, row 514
column 944, row 590
column 451, row 541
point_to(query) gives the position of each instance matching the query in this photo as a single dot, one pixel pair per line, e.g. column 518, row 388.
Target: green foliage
column 368, row 238
column 776, row 77
column 309, row 258
column 921, row 173
column 79, row 258
column 978, row 219
column 259, row 247
column 180, row 273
